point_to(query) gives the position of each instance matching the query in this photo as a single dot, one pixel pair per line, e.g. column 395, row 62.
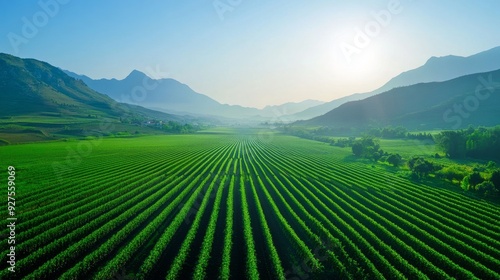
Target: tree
column 394, row 159
column 484, row 143
column 421, row 167
column 453, row 143
column 452, row 172
column 485, row 188
column 367, row 147
column 357, row 149
column 471, row 181
column 411, row 162
column 495, row 179
column 491, row 165
column 475, row 179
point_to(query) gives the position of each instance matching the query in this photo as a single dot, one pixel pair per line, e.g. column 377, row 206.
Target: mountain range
column 468, row 100
column 174, row 97
column 436, row 69
column 169, row 95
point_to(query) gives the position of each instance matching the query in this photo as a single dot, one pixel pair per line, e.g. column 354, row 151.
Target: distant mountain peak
column 420, row 106
column 135, row 75
column 442, row 59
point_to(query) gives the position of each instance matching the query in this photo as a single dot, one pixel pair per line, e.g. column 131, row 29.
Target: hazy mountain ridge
column 172, row 96
column 292, row 107
column 471, row 99
column 436, row 69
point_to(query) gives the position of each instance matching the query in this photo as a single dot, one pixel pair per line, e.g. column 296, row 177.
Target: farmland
column 236, row 204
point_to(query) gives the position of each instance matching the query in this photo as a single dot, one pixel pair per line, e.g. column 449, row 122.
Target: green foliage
column 491, row 165
column 420, row 167
column 453, row 172
column 388, row 132
column 420, row 136
column 471, row 181
column 225, row 272
column 479, row 143
column 452, row 143
column 484, row 143
column 495, row 179
column 251, row 260
column 394, row 159
column 344, row 142
column 175, row 127
column 367, row 147
column 357, row 149
column 486, row 188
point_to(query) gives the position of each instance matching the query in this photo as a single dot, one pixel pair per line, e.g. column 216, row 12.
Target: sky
column 251, row 53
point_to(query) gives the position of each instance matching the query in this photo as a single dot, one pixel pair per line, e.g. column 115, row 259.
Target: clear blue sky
column 251, row 52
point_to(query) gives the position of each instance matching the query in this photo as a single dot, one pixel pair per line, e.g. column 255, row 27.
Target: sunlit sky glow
column 258, row 53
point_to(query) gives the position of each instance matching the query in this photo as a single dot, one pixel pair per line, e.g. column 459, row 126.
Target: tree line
column 480, row 143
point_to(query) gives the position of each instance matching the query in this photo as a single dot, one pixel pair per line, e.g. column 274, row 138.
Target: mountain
column 172, row 96
column 163, row 94
column 325, row 107
column 39, row 97
column 31, row 86
column 138, row 88
column 471, row 99
column 436, row 69
column 290, row 108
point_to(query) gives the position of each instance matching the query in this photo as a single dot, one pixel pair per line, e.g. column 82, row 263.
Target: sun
column 361, row 73
column 363, row 63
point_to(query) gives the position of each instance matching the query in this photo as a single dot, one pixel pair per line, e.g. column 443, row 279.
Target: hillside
column 28, row 86
column 39, row 102
column 437, row 105
column 436, row 69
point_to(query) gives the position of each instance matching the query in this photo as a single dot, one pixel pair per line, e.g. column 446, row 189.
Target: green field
column 409, row 147
column 235, row 204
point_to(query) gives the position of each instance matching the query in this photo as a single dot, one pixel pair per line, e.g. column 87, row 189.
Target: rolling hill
column 436, row 69
column 471, row 99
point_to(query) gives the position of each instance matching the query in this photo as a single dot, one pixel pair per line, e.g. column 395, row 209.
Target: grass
column 409, row 147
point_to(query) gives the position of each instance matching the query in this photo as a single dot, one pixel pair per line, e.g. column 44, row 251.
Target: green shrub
column 495, row 179
column 485, row 188
column 453, row 172
column 421, row 167
column 394, row 159
column 471, row 181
